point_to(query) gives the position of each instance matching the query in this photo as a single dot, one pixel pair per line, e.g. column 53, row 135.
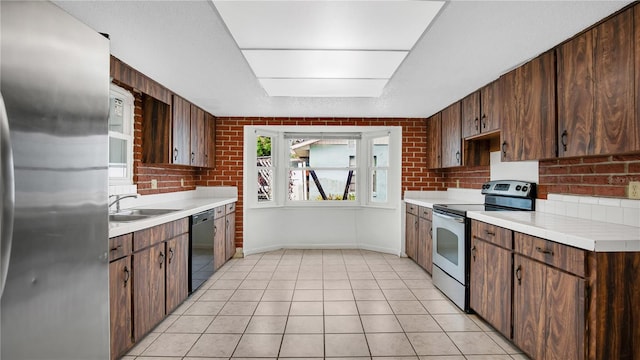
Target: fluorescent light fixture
column 316, row 47
column 324, row 63
column 324, row 87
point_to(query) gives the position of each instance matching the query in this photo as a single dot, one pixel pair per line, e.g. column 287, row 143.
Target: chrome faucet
column 118, row 198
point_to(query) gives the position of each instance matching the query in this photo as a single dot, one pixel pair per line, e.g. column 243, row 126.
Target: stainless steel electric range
column 452, row 234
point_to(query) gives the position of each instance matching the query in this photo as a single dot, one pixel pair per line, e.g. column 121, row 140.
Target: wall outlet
column 182, row 182
column 154, row 183
column 634, row 190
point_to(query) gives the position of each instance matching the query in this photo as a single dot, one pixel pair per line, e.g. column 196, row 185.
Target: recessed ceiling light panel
column 345, row 25
column 324, row 63
column 324, row 87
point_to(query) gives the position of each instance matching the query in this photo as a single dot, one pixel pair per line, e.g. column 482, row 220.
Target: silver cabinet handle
column 8, row 193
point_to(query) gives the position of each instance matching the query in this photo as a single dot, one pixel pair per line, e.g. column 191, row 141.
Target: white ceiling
column 185, row 46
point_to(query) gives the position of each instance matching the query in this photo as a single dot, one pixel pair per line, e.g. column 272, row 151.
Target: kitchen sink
column 137, row 214
column 126, row 217
column 146, row 212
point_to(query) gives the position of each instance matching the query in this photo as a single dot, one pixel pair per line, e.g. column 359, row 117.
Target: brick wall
column 468, row 177
column 230, row 145
column 169, row 177
column 589, row 176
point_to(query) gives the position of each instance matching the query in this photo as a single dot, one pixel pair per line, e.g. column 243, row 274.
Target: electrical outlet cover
column 634, row 190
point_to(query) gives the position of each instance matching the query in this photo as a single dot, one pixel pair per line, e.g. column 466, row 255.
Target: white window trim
column 128, row 120
column 363, row 169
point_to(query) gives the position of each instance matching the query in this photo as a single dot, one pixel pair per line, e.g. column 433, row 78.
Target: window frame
column 280, row 158
column 127, row 124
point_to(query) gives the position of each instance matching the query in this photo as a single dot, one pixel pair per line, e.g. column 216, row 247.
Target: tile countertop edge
column 186, row 207
column 429, row 202
column 567, row 238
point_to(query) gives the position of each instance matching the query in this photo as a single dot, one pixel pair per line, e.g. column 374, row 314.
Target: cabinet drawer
column 491, row 233
column 412, row 209
column 564, row 257
column 425, row 213
column 157, row 234
column 220, row 211
column 120, row 246
column 231, row 208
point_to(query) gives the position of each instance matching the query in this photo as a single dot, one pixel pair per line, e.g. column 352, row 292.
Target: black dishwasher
column 200, row 248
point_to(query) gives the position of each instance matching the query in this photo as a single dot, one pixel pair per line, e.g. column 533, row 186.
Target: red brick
column 614, row 191
column 595, row 179
column 615, row 168
column 581, row 169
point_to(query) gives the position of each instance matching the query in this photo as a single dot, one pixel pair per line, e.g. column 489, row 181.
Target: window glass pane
column 380, row 151
column 265, row 184
column 116, row 114
column 320, row 185
column 263, row 149
column 117, row 158
column 379, row 185
column 323, row 152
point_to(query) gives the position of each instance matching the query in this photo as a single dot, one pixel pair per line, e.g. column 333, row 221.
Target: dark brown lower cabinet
column 548, row 311
column 148, row 289
column 219, row 240
column 490, row 284
column 425, row 240
column 120, row 305
column 230, row 231
column 411, row 235
column 177, row 271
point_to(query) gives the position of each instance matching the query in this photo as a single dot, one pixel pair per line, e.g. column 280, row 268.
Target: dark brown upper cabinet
column 528, row 129
column 451, row 136
column 181, row 134
column 434, row 138
column 480, row 111
column 636, row 10
column 198, row 138
column 596, row 96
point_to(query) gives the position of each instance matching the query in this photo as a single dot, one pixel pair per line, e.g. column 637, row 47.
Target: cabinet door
column 537, row 108
column 491, row 106
column 210, row 129
column 120, row 306
column 181, row 133
column 434, row 137
column 529, row 306
column 471, row 115
column 198, row 137
column 219, row 239
column 425, row 251
column 636, row 10
column 509, row 134
column 451, row 136
column 411, row 235
column 565, row 295
column 615, row 127
column 177, row 271
column 230, row 235
column 575, row 95
column 148, row 289
column 490, row 284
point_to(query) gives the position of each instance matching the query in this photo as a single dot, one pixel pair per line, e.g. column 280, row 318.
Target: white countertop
column 186, row 207
column 429, row 202
column 581, row 233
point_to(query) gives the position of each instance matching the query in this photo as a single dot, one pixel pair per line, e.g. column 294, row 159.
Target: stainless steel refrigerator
column 54, row 75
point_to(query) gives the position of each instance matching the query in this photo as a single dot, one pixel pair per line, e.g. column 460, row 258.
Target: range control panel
column 514, row 188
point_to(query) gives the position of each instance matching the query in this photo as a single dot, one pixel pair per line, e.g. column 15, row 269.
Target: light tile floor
column 308, row 304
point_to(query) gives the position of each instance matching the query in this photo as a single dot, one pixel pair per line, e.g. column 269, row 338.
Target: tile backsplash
column 611, row 210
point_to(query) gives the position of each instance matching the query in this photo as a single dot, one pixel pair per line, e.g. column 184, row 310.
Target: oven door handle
column 448, row 217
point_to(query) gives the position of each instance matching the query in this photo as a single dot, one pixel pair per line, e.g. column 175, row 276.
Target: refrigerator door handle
column 7, row 193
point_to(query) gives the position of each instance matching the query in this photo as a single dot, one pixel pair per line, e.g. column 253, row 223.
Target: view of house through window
column 120, row 135
column 379, row 168
column 322, row 168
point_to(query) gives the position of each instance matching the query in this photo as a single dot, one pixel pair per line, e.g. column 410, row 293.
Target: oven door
column 449, row 245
